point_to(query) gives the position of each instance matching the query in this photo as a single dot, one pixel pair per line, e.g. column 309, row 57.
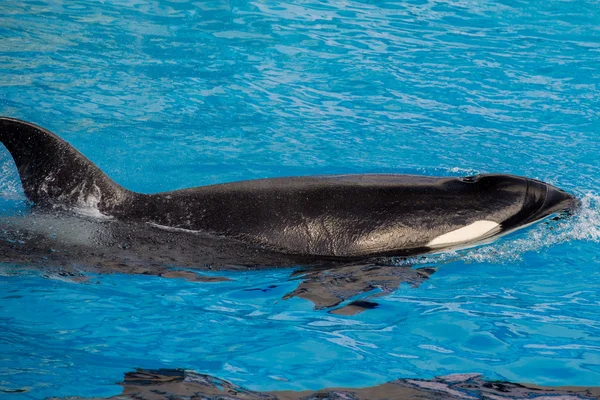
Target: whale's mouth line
column 532, row 218
column 568, row 205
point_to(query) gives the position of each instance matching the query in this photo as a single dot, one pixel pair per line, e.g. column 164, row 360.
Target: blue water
column 170, row 94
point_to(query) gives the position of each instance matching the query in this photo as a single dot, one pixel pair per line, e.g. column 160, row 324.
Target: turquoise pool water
column 171, row 94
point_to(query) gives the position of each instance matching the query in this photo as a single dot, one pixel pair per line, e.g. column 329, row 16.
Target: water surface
column 170, row 94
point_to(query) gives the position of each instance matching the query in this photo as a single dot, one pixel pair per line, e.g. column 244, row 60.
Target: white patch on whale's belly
column 478, row 229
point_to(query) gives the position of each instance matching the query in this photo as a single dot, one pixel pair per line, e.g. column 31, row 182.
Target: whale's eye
column 470, row 179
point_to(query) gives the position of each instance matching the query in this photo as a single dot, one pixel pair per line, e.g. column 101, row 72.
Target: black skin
column 340, row 230
column 301, row 219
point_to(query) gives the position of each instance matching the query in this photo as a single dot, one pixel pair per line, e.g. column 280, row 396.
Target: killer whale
column 320, row 217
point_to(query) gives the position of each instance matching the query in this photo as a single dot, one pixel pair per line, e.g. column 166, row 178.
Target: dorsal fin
column 53, row 172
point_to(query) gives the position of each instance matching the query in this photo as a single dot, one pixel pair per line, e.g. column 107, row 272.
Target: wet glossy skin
column 351, row 215
column 340, row 216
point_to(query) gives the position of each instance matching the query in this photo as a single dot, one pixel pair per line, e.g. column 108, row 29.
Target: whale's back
column 342, row 215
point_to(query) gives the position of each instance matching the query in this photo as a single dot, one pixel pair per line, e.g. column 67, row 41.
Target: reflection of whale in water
column 176, row 383
column 325, row 217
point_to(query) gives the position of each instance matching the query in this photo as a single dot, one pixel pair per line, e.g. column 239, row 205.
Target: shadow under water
column 329, row 287
column 181, row 384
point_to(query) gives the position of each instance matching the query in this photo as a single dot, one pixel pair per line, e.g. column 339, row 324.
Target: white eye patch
column 467, row 233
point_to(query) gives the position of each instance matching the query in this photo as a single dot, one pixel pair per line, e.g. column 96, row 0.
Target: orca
column 331, row 217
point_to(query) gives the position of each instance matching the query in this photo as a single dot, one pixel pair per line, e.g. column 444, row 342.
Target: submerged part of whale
column 321, row 217
column 70, row 246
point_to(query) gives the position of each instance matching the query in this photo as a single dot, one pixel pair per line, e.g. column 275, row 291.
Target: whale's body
column 320, row 217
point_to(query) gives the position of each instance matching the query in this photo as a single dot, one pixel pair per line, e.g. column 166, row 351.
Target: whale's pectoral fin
column 53, row 172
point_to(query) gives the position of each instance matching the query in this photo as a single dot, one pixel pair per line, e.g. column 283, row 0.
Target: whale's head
column 490, row 204
column 538, row 199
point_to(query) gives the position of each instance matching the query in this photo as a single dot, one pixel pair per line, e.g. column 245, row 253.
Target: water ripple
column 168, row 94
